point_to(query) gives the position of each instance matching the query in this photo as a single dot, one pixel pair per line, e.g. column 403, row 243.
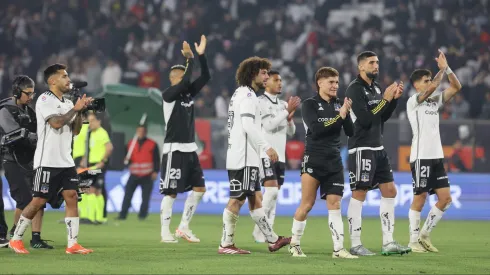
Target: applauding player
column 369, row 165
column 277, row 124
column 324, row 117
column 426, row 156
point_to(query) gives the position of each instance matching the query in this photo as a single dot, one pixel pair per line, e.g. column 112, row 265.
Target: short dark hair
column 52, row 70
column 177, row 67
column 22, row 82
column 365, row 55
column 324, row 72
column 418, row 74
column 273, row 72
column 250, row 68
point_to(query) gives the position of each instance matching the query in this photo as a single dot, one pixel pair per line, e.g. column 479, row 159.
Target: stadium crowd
column 136, row 41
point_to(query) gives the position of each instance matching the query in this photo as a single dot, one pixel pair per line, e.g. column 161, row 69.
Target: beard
column 261, row 85
column 372, row 76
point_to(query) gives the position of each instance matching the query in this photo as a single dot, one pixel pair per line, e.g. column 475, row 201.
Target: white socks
column 258, row 215
column 72, row 227
column 336, row 228
column 22, row 225
column 414, row 219
column 229, row 223
column 190, row 208
column 387, row 215
column 433, row 218
column 354, row 217
column 298, row 230
column 269, row 205
column 166, row 214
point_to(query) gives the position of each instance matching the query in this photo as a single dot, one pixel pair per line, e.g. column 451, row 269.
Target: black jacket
column 323, row 125
column 370, row 111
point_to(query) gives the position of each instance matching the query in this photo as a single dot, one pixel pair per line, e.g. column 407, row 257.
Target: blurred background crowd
column 135, row 42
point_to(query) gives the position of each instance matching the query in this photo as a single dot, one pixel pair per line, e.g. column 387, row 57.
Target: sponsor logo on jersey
column 324, row 119
column 432, row 113
column 373, row 102
column 187, row 104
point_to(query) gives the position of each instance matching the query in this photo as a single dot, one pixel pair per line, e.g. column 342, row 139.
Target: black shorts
column 329, row 172
column 49, row 182
column 273, row 171
column 180, row 172
column 428, row 175
column 368, row 169
column 20, row 183
column 99, row 182
column 244, row 182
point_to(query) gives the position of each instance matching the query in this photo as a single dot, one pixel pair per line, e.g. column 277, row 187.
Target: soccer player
column 277, row 124
column 324, row 116
column 57, row 120
column 369, row 165
column 426, row 155
column 180, row 167
column 245, row 142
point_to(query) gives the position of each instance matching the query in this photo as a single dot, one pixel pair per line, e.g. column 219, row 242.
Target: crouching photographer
column 18, row 128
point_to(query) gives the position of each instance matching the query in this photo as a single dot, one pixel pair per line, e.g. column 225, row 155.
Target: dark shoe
column 41, row 244
column 4, row 243
column 280, row 243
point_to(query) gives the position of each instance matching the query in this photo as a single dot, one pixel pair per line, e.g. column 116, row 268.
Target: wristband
column 448, row 70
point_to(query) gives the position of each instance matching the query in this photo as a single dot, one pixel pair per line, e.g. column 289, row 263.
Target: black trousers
column 3, row 222
column 146, row 185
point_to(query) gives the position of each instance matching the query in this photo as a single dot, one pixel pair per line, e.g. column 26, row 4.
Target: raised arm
column 443, row 66
column 360, row 104
column 77, row 124
column 49, row 112
column 203, row 79
column 454, row 86
column 197, row 85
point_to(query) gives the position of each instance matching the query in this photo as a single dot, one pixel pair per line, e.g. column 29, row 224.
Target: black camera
column 97, row 105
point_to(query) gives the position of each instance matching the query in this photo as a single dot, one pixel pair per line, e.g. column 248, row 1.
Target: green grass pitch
column 133, row 247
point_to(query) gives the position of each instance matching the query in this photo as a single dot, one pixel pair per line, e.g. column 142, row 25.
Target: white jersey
column 53, row 145
column 245, row 138
column 424, row 120
column 274, row 124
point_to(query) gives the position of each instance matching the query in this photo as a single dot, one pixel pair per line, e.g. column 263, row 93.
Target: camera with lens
column 97, row 105
column 15, row 136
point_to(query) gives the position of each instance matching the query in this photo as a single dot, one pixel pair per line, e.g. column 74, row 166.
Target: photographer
column 58, row 119
column 18, row 156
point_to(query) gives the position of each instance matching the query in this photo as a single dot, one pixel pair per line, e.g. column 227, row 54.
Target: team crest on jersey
column 337, row 107
column 249, row 94
column 44, row 188
column 43, row 98
column 173, row 184
column 423, row 183
column 365, row 177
